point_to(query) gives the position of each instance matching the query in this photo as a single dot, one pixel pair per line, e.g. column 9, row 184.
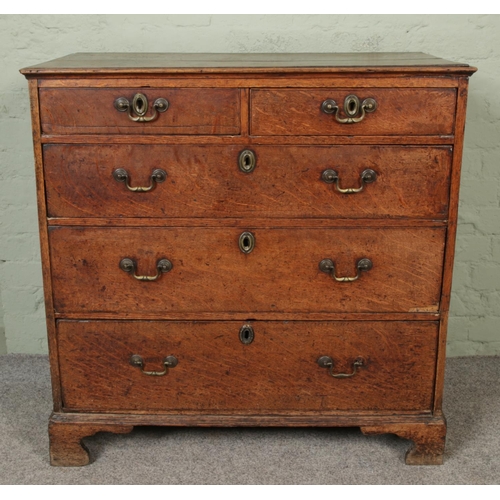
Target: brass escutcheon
column 246, row 242
column 247, row 161
column 246, row 334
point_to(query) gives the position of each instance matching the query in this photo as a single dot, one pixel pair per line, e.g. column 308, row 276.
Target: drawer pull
column 162, row 266
column 158, row 176
column 328, row 266
column 247, row 161
column 140, row 107
column 246, row 242
column 168, row 362
column 367, row 177
column 327, row 362
column 352, row 108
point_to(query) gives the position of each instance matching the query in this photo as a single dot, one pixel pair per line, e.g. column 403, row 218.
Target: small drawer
column 132, row 180
column 123, row 270
column 140, row 111
column 176, row 366
column 375, row 111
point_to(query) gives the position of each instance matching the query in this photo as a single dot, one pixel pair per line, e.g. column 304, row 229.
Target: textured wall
column 26, row 40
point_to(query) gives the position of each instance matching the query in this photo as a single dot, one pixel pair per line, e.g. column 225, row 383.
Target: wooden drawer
column 92, row 111
column 401, row 111
column 278, row 371
column 211, row 274
column 205, row 181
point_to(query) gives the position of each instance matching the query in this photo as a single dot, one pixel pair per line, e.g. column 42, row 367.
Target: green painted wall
column 26, row 40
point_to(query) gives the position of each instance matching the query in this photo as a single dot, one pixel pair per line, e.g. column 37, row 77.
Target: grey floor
column 246, row 455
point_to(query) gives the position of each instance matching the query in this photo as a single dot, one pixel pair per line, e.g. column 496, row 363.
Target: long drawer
column 401, row 111
column 205, row 366
column 286, row 181
column 258, row 270
column 185, row 111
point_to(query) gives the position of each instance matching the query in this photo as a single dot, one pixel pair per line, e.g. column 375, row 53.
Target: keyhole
column 351, row 105
column 246, row 334
column 140, row 105
column 246, row 242
column 247, row 161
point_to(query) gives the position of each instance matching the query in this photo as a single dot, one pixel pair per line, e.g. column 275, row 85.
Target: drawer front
column 206, row 181
column 211, row 274
column 402, row 111
column 215, row 371
column 93, row 111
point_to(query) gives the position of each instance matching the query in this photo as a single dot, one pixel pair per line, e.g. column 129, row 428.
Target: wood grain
column 429, row 439
column 395, row 315
column 241, row 222
column 151, row 63
column 91, row 111
column 277, row 371
column 399, row 112
column 66, row 447
column 450, row 242
column 211, row 274
column 205, row 181
column 44, row 246
column 299, row 140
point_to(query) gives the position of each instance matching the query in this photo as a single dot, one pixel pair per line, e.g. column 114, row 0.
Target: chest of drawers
column 247, row 240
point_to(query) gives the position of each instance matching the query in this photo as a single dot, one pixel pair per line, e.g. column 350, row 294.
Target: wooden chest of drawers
column 248, row 240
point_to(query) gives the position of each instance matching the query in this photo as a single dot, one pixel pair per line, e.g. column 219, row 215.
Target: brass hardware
column 367, row 177
column 352, row 108
column 140, row 107
column 246, row 242
column 168, row 362
column 247, row 161
column 162, row 266
column 246, row 334
column 327, row 362
column 328, row 266
column 158, row 175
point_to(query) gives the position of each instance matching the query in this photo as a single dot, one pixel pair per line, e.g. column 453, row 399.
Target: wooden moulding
column 66, row 431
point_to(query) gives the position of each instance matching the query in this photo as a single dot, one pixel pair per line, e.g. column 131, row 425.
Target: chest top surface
column 126, row 63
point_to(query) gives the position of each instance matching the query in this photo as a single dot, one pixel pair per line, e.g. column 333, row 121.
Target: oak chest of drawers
column 248, row 240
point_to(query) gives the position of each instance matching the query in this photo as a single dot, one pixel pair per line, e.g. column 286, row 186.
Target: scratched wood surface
column 278, row 370
column 399, row 112
column 93, row 64
column 205, row 181
column 210, row 273
column 92, row 111
column 394, row 316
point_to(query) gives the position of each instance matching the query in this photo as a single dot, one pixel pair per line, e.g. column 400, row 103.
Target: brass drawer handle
column 367, row 177
column 168, row 362
column 327, row 362
column 352, row 108
column 162, row 266
column 158, row 176
column 246, row 242
column 328, row 266
column 140, row 107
